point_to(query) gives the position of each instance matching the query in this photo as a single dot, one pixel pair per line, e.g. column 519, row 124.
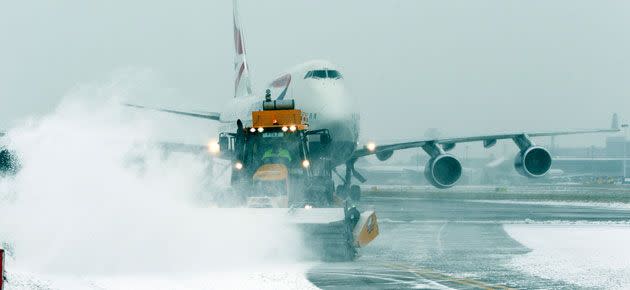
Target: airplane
column 318, row 89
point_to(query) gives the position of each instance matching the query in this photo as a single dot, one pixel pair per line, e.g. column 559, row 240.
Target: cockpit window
column 323, row 73
column 319, row 74
column 333, row 74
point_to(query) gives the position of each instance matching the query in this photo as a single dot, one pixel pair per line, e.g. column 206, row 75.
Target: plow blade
column 334, row 234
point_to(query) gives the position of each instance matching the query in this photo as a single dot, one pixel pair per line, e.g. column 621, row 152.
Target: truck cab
column 271, row 162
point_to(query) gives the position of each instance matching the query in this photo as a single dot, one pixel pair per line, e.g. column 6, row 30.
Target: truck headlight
column 213, row 147
column 292, row 128
column 238, row 165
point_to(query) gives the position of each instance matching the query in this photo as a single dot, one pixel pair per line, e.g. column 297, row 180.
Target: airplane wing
column 443, row 170
column 197, row 114
column 449, row 143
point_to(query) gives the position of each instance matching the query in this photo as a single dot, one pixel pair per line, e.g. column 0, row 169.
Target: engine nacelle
column 443, row 171
column 533, row 162
column 384, row 155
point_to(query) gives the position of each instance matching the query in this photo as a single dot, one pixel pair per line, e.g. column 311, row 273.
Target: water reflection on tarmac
column 456, row 239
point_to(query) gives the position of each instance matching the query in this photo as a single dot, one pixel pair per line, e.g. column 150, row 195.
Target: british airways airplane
column 318, row 89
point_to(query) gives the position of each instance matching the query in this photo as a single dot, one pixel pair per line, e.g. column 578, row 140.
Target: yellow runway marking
column 437, row 277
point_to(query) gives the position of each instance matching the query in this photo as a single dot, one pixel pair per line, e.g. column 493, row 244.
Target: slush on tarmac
column 472, row 238
column 91, row 199
column 445, row 240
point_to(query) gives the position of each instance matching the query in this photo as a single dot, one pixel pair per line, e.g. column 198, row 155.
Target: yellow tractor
column 272, row 167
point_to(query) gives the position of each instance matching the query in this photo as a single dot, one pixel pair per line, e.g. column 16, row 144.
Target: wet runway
column 456, row 239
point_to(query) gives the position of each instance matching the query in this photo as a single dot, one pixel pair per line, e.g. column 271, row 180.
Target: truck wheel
column 355, row 193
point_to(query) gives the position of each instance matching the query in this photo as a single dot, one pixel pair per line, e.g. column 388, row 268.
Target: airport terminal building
column 595, row 161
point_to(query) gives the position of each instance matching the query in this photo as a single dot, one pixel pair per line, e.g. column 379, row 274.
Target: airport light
column 371, row 146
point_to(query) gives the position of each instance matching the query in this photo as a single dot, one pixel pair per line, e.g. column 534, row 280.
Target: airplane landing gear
column 347, row 189
column 355, row 192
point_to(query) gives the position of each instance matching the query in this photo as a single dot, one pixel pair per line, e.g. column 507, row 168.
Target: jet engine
column 384, row 155
column 533, row 161
column 443, row 170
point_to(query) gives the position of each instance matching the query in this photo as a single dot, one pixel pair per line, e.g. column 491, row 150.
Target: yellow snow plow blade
column 366, row 229
column 334, row 233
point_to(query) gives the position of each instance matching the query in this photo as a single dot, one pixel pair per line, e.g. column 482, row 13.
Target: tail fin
column 242, row 82
column 615, row 122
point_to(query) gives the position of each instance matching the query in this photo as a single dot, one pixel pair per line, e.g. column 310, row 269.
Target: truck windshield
column 277, row 147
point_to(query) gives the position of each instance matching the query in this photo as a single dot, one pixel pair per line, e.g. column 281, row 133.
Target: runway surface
column 529, row 237
column 458, row 239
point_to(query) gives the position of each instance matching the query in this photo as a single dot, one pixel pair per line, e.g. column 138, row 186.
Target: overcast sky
column 465, row 67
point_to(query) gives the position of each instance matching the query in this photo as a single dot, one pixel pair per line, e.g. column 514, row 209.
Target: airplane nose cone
column 331, row 98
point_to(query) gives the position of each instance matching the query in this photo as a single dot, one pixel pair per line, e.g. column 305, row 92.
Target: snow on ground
column 277, row 277
column 586, row 255
column 96, row 205
column 291, row 278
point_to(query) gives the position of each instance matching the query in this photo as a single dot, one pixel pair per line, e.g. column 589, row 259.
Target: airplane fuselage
column 318, row 90
column 317, row 87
